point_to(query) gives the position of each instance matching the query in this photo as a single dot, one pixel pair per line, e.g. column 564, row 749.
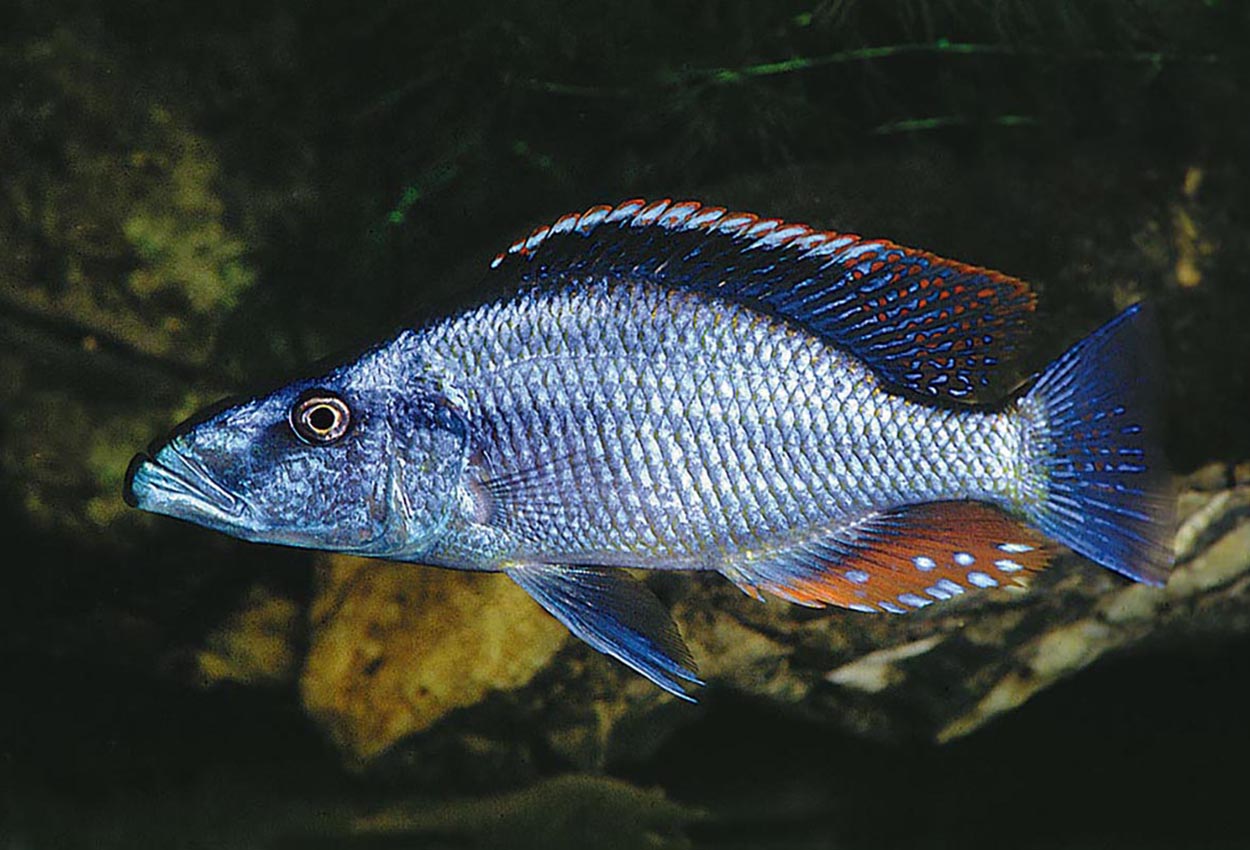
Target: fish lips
column 172, row 483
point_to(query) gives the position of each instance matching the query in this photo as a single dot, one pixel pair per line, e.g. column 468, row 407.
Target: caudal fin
column 1093, row 445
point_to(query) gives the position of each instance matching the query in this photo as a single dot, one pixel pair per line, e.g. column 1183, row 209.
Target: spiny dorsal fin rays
column 931, row 325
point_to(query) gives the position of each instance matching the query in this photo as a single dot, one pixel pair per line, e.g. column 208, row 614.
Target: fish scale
column 852, row 444
column 674, row 386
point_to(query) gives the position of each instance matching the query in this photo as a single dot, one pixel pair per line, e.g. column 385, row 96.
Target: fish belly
column 621, row 423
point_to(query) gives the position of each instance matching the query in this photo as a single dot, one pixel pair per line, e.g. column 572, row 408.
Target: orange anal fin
column 903, row 559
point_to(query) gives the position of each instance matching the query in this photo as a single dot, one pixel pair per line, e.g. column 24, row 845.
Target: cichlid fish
column 677, row 387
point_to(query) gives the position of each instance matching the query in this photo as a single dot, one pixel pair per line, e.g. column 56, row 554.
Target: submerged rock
column 394, row 649
column 261, row 643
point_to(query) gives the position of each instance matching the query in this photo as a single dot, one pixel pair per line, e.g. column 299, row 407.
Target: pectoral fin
column 617, row 615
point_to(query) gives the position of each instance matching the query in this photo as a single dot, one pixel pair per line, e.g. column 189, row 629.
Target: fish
column 674, row 386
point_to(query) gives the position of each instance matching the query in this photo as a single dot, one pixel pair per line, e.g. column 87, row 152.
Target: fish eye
column 320, row 417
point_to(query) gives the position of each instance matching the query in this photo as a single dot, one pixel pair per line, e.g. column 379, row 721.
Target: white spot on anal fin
column 981, row 580
column 949, row 586
column 1015, row 548
column 924, row 563
column 913, row 600
column 857, row 576
column 1008, row 566
column 964, row 559
column 892, row 608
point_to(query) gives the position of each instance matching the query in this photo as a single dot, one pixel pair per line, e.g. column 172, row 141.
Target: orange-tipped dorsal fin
column 923, row 323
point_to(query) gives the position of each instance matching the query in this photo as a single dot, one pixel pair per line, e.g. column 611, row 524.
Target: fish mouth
column 174, row 484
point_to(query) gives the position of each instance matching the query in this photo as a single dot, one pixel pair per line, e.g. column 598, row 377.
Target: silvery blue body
column 638, row 426
column 658, row 429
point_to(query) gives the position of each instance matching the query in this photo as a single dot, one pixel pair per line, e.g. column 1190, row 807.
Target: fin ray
column 900, row 560
column 526, row 493
column 617, row 615
column 1102, row 483
column 930, row 325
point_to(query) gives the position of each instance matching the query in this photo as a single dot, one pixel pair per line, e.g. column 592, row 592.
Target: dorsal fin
column 931, row 325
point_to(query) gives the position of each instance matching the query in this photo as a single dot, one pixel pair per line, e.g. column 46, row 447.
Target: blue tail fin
column 1102, row 486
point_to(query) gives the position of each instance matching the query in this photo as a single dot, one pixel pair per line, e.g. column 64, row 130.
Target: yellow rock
column 257, row 645
column 396, row 647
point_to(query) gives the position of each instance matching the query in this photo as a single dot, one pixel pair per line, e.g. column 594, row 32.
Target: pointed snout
column 171, row 482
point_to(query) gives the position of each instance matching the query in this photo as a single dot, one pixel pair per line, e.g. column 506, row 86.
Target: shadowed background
column 201, row 198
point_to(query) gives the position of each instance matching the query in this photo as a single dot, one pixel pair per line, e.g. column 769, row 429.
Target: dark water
column 1147, row 752
column 204, row 197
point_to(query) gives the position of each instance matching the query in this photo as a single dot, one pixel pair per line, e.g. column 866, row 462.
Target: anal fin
column 617, row 615
column 900, row 560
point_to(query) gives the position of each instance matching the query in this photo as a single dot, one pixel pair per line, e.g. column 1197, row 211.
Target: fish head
column 338, row 463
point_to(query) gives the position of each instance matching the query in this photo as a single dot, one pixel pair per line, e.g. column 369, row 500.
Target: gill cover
column 430, row 452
